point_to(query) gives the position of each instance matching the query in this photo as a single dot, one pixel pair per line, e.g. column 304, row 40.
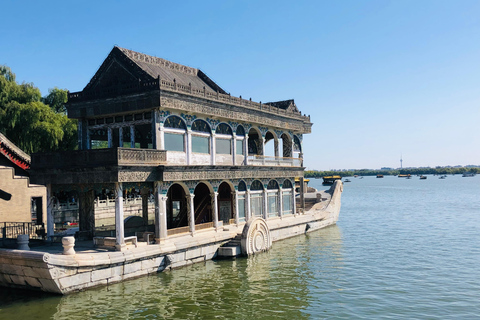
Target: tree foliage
column 33, row 123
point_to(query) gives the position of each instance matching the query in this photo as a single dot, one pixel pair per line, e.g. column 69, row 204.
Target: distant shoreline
column 392, row 172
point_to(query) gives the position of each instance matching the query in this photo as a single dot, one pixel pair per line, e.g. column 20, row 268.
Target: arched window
column 224, row 143
column 174, row 122
column 223, row 128
column 240, row 131
column 174, row 135
column 200, row 126
column 200, row 137
column 287, row 184
column 272, row 185
column 242, row 186
column 287, row 197
column 256, row 185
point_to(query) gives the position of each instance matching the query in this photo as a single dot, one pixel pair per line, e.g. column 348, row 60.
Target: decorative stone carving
column 196, row 174
column 255, row 237
column 213, row 123
column 68, row 243
column 189, row 118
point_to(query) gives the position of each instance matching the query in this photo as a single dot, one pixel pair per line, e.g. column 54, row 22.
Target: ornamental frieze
column 186, row 174
column 249, row 116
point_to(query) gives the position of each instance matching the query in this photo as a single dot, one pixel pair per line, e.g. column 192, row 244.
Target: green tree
column 30, row 123
column 56, row 99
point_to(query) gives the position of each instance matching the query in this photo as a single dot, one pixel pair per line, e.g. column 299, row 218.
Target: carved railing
column 99, row 157
column 161, row 84
column 257, row 160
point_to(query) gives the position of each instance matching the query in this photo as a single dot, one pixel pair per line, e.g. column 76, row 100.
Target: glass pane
column 272, row 205
column 224, row 146
column 200, row 144
column 241, row 208
column 287, row 202
column 239, row 146
column 175, row 208
column 174, row 142
column 256, row 205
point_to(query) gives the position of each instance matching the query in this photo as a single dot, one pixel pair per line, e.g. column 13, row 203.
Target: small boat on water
column 423, row 177
column 347, row 180
column 469, row 174
column 330, row 180
column 379, row 175
column 442, row 177
column 404, row 176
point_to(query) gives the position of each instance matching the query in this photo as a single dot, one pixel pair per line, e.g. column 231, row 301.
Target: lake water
column 402, row 249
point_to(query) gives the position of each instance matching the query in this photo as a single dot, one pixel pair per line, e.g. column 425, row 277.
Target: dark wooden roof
column 9, row 151
column 288, row 105
column 123, row 65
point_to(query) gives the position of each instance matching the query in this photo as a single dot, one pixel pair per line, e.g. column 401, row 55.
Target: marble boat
column 170, row 170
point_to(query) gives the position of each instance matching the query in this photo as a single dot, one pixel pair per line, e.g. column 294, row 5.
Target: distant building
column 20, row 201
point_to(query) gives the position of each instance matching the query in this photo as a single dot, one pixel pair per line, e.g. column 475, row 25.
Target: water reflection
column 275, row 284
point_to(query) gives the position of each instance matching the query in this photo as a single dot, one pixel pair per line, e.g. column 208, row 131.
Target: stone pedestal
column 68, row 243
column 22, row 242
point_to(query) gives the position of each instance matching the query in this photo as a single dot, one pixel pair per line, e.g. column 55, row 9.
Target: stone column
column 120, row 137
column 213, row 147
column 86, row 212
column 237, row 218
column 144, row 192
column 189, row 146
column 50, row 219
column 161, row 137
column 245, row 149
column 192, row 214
column 82, row 130
column 119, row 227
column 294, row 205
column 276, row 148
column 302, row 193
column 160, row 213
column 248, row 213
column 214, row 196
column 262, row 152
column 280, row 202
column 265, row 204
column 234, row 149
column 110, row 137
column 132, row 136
column 88, row 143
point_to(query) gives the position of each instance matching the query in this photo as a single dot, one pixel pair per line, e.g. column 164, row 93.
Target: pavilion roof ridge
column 145, row 58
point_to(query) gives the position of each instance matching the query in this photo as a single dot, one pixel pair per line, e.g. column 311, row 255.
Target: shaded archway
column 177, row 212
column 271, row 144
column 225, row 203
column 286, row 145
column 202, row 204
column 255, row 142
column 297, row 147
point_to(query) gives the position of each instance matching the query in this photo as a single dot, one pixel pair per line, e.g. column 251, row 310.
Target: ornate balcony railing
column 99, row 157
column 257, row 160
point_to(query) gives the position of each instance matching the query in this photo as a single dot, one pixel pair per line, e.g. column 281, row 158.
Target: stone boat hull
column 62, row 274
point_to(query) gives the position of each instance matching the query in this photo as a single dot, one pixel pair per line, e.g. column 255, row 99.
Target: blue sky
column 380, row 79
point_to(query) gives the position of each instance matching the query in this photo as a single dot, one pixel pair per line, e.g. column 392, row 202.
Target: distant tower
column 401, row 162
